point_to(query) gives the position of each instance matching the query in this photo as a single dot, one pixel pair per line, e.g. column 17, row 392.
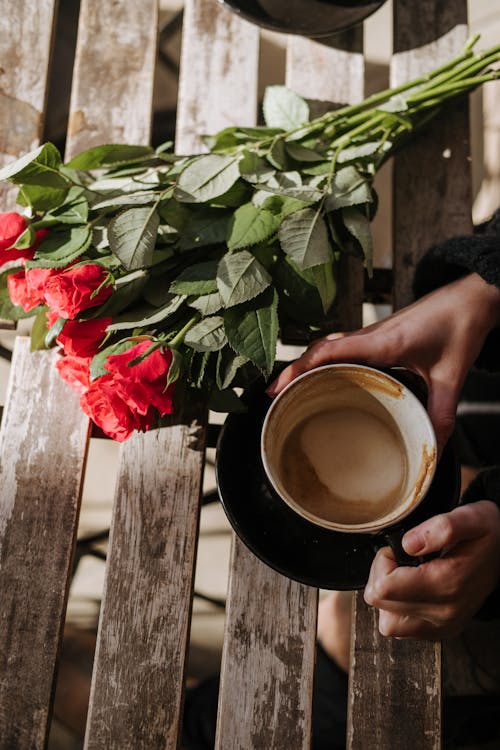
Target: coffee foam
column 345, row 465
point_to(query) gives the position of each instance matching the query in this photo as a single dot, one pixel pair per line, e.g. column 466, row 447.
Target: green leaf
column 126, row 291
column 61, row 248
column 232, row 137
column 396, row 103
column 284, row 183
column 176, row 214
column 303, row 237
column 348, row 188
column 207, row 177
column 54, row 331
column 250, row 225
column 299, row 298
column 97, row 367
column 226, row 401
column 176, row 367
column 224, row 139
column 228, row 364
column 207, row 304
column 301, row 153
column 279, row 205
column 284, row 108
column 74, row 212
column 207, row 336
column 198, row 366
column 132, row 236
column 236, row 195
column 129, row 199
column 324, row 280
column 240, row 277
column 39, row 330
column 255, row 169
column 41, row 197
column 26, row 239
column 165, row 146
column 358, row 225
column 205, row 227
column 277, row 154
column 252, row 329
column 199, row 279
column 364, row 150
column 108, row 155
column 146, row 315
column 39, row 167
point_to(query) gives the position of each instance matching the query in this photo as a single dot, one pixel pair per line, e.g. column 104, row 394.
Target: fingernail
column 413, row 543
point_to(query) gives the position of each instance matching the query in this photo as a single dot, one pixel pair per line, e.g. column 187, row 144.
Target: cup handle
column 393, row 538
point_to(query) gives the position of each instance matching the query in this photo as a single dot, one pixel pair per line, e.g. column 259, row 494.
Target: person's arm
column 439, row 337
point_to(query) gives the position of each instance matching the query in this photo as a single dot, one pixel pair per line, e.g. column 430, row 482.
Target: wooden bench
column 268, row 661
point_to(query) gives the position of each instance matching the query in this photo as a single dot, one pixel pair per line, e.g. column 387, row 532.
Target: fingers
column 355, row 347
column 402, row 589
column 447, row 529
column 441, row 407
column 408, row 628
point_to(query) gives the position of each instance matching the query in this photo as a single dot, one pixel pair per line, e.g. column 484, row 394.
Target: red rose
column 144, row 384
column 110, row 412
column 12, row 225
column 83, row 338
column 75, row 371
column 74, row 290
column 130, row 396
column 27, row 288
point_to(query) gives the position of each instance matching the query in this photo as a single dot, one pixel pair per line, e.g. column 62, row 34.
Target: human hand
column 439, row 337
column 437, row 599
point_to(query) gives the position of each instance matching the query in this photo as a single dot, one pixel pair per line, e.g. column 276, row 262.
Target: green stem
column 447, row 90
column 179, row 337
column 375, row 118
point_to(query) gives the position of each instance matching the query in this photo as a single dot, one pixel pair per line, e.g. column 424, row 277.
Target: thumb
column 464, row 523
column 442, row 408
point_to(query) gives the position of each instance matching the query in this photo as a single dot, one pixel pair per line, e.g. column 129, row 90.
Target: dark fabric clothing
column 458, row 256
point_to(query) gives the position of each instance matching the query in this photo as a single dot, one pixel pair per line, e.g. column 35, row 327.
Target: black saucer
column 313, row 18
column 284, row 540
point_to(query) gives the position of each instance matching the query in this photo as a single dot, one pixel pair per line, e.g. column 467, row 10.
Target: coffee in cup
column 349, row 448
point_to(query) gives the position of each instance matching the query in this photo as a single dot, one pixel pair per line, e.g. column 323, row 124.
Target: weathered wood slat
column 274, row 711
column 395, row 689
column 42, row 454
column 218, row 81
column 112, row 93
column 268, row 659
column 265, row 691
column 432, row 186
column 332, row 74
column 25, row 42
column 395, row 692
column 145, row 613
column 137, row 688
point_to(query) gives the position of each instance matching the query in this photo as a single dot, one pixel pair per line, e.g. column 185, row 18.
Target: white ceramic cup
column 346, row 392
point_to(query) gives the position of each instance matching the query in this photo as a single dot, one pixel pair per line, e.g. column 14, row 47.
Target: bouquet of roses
column 145, row 266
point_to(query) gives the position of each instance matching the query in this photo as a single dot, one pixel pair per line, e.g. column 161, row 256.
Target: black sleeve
column 458, row 256
column 486, row 486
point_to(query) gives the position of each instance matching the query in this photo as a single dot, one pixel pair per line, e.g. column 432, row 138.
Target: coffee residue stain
column 428, row 460
column 367, row 380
